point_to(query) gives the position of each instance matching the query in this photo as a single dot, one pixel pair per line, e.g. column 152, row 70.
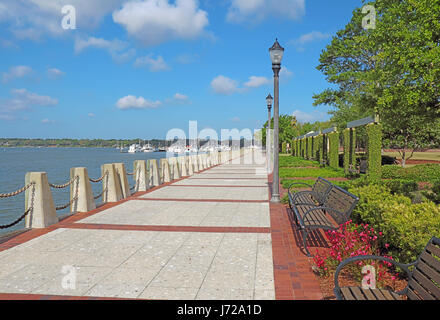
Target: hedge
column 374, row 147
column 419, row 173
column 333, row 156
column 406, row 227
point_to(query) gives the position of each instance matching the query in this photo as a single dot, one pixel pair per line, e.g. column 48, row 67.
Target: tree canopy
column 392, row 69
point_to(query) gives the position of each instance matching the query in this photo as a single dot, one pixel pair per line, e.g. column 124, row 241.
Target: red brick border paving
column 293, row 277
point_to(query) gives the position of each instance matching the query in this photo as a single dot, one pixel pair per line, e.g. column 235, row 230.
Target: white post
column 165, row 169
column 110, row 185
column 122, row 175
column 39, row 197
column 81, row 189
column 183, row 168
column 141, row 175
column 154, row 173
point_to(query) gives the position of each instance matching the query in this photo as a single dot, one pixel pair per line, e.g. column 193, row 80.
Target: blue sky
column 138, row 68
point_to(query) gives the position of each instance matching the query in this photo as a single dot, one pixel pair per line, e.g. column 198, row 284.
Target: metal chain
column 67, row 205
column 100, row 179
column 63, row 185
column 26, row 212
column 13, row 194
column 101, row 194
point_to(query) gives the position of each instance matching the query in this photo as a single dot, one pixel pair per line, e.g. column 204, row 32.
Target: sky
column 128, row 69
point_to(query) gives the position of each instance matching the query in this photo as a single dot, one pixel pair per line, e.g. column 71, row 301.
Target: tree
column 392, row 70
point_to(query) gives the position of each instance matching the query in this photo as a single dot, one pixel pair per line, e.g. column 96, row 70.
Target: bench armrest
column 405, row 267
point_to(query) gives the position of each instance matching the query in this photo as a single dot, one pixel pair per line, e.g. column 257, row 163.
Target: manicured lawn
column 287, row 182
column 287, row 161
column 418, row 155
column 311, row 172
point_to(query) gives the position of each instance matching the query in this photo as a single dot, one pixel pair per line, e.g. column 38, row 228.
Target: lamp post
column 276, row 55
column 269, row 101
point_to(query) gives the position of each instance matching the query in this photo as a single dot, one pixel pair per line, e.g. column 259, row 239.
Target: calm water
column 56, row 162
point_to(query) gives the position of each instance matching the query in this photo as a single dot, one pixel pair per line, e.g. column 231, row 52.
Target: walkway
column 211, row 236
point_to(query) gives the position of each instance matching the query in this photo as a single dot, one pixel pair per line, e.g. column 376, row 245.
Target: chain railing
column 99, row 180
column 65, row 186
column 31, row 207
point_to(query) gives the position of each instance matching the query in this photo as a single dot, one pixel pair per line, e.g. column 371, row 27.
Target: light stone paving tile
column 209, row 239
column 112, row 290
column 56, row 287
column 121, row 275
column 183, row 276
column 22, row 286
column 155, row 260
column 216, row 221
column 224, row 294
column 264, row 294
column 110, row 256
column 169, row 293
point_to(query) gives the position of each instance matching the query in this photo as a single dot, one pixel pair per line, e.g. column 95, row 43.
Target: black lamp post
column 269, row 101
column 276, row 55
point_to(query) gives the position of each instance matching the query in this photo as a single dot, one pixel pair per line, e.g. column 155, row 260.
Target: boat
column 147, row 148
column 134, row 148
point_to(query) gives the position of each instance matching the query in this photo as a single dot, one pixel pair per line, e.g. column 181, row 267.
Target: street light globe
column 269, row 101
column 276, row 53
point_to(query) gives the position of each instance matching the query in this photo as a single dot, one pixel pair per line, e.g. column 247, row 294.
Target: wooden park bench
column 316, row 195
column 338, row 204
column 423, row 281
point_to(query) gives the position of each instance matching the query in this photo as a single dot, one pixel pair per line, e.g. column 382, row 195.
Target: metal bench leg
column 304, row 234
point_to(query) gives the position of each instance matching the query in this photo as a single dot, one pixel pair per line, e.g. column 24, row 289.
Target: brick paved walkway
column 211, row 236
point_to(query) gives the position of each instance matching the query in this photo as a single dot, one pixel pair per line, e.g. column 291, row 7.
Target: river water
column 56, row 162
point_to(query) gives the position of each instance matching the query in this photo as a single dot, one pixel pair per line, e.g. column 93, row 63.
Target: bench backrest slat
column 321, row 188
column 425, row 279
column 342, row 201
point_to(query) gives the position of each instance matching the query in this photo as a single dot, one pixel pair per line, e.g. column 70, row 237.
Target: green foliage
column 346, row 134
column 284, row 147
column 406, row 227
column 296, row 162
column 333, row 156
column 434, row 194
column 418, row 173
column 326, row 172
column 374, row 149
column 393, row 70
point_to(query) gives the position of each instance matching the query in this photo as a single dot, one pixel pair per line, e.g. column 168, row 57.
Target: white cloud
column 235, row 119
column 32, row 19
column 23, row 100
column 153, row 65
column 55, row 73
column 180, row 97
column 16, row 72
column 100, row 43
column 132, row 102
column 308, row 38
column 156, row 21
column 313, row 116
column 285, row 75
column 47, row 121
column 91, row 115
column 255, row 82
column 224, row 85
column 255, row 11
column 116, row 48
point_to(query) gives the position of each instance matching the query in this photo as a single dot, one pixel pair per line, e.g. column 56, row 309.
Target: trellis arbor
column 324, row 147
column 374, row 146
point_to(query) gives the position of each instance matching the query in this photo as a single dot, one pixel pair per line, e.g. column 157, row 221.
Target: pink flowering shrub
column 351, row 240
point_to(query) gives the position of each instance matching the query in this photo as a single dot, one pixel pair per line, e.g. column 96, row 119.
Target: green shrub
column 419, row 173
column 406, row 227
column 404, row 187
column 434, row 195
column 326, row 172
column 296, row 162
